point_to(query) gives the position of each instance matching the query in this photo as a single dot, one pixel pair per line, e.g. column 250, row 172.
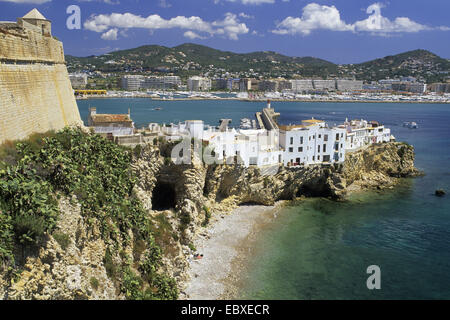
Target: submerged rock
column 439, row 193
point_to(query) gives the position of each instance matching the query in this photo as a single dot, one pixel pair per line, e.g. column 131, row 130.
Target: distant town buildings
column 132, row 82
column 348, row 85
column 78, row 80
column 440, row 87
column 199, row 84
column 138, row 82
column 289, row 86
column 324, row 85
column 303, row 85
column 414, row 87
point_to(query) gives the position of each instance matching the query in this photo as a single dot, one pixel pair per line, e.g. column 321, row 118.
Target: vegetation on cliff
column 36, row 173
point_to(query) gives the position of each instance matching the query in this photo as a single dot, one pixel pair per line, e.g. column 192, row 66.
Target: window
column 326, row 158
column 292, row 140
column 342, row 135
column 300, row 149
column 324, row 148
column 318, row 158
column 341, row 145
column 337, row 136
column 318, row 148
column 325, row 137
column 314, row 158
column 301, row 140
column 320, row 136
column 291, row 149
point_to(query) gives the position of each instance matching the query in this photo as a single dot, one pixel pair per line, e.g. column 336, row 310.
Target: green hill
column 193, row 59
column 418, row 63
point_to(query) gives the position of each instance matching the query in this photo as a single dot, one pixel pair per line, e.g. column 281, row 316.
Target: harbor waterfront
column 319, row 249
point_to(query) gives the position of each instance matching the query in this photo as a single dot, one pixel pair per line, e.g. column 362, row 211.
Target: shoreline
column 214, row 276
column 271, row 99
column 218, row 276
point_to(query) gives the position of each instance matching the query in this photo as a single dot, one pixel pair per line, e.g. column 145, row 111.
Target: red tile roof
column 108, row 118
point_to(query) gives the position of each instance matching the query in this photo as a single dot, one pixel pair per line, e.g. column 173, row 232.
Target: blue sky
column 341, row 31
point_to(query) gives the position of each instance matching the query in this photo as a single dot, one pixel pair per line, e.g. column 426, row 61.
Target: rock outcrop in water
column 180, row 200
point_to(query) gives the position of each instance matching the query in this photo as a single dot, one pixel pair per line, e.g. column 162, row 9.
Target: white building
column 300, row 86
column 312, row 142
column 199, row 84
column 132, row 82
column 166, row 82
column 111, row 124
column 348, row 85
column 361, row 133
column 78, row 80
column 324, row 85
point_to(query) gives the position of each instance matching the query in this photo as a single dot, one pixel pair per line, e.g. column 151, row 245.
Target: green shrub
column 94, row 283
column 192, row 247
column 137, row 151
column 207, row 216
column 68, row 163
column 62, row 239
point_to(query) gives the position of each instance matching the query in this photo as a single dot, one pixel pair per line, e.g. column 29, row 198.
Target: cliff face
column 179, row 201
column 378, row 166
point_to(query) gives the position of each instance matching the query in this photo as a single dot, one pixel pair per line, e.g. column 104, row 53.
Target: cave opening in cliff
column 313, row 191
column 164, row 196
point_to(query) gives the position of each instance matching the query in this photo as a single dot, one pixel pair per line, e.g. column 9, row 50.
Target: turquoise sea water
column 319, row 249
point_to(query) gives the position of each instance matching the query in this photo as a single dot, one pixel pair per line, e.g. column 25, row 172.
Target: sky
column 340, row 31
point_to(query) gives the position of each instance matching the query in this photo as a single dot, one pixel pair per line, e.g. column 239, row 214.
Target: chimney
column 268, row 104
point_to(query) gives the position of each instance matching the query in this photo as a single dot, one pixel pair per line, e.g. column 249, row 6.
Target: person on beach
column 198, row 256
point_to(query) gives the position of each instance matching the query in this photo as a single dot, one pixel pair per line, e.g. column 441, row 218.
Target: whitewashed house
column 312, row 142
column 361, row 133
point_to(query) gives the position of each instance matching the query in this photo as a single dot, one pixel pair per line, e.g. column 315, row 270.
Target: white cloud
column 314, row 17
column 246, row 16
column 229, row 27
column 110, row 35
column 324, row 17
column 192, row 35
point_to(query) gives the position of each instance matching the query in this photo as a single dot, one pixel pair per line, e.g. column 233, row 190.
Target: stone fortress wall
column 35, row 90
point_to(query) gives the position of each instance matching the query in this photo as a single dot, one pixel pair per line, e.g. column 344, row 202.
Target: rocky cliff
column 77, row 259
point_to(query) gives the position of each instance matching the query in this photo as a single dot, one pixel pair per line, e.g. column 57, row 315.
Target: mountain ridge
column 192, row 59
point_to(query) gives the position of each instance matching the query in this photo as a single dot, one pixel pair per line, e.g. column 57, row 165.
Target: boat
column 411, row 125
column 157, row 109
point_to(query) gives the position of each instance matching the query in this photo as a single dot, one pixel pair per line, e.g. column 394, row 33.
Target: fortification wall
column 18, row 44
column 35, row 90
